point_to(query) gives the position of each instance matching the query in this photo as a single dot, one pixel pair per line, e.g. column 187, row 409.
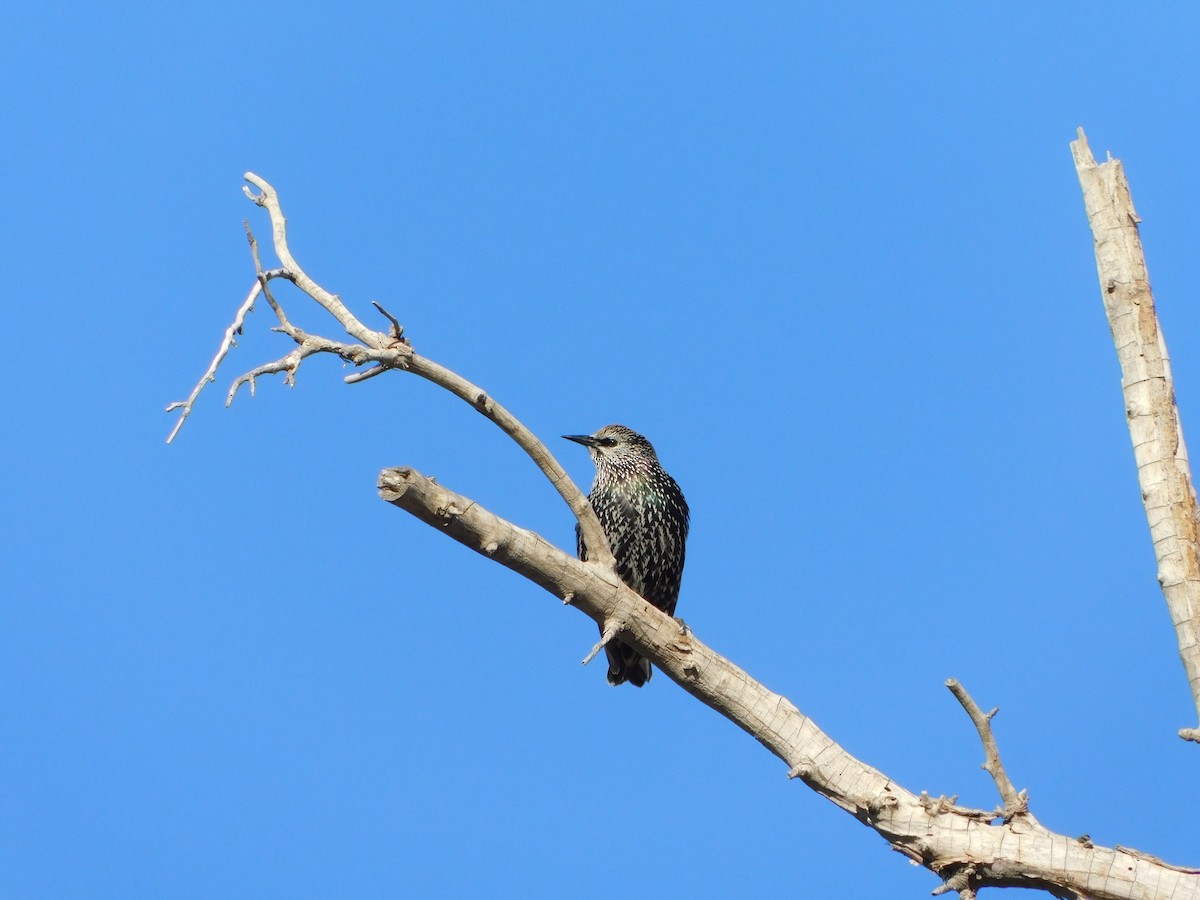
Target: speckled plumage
column 645, row 519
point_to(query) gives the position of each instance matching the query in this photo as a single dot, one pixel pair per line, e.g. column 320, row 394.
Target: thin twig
column 610, row 631
column 1016, row 803
column 262, row 279
column 227, row 343
column 356, row 377
column 289, row 364
column 311, row 345
column 397, row 330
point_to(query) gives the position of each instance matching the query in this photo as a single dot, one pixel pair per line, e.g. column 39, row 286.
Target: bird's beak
column 586, row 439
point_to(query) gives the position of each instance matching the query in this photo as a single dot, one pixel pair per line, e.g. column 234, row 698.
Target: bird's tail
column 624, row 664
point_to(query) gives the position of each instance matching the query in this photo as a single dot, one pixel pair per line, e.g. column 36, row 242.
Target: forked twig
column 390, row 350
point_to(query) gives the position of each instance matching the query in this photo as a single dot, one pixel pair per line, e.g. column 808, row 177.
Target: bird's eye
column 607, row 442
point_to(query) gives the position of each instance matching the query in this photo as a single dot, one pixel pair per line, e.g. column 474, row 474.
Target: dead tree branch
column 969, row 849
column 1154, row 425
column 390, row 350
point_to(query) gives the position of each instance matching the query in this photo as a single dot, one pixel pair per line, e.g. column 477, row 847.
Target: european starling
column 645, row 519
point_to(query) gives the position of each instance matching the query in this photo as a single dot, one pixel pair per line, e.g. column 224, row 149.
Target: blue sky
column 832, row 261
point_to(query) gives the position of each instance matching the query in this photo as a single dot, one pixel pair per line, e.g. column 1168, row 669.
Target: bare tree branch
column 960, row 845
column 390, row 350
column 1154, row 426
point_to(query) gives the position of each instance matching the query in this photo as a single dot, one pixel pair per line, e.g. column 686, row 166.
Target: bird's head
column 616, row 445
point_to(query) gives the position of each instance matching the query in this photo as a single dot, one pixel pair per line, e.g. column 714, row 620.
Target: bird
column 645, row 518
